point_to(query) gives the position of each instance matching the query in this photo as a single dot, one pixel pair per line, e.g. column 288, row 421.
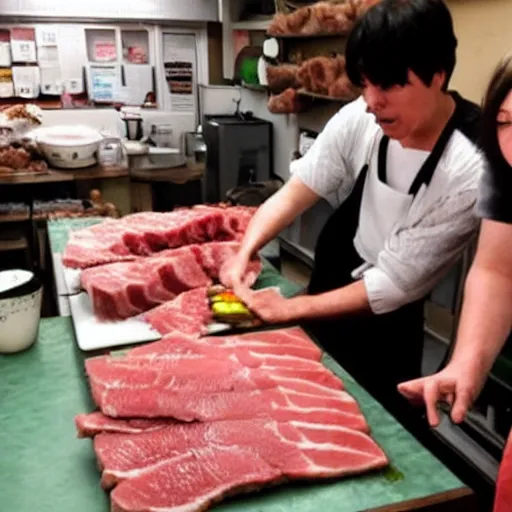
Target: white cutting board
column 94, row 334
column 71, row 279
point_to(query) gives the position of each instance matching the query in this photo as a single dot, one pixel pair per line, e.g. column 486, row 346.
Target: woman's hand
column 457, row 385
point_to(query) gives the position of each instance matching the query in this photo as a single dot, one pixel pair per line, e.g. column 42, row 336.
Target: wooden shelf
column 257, row 24
column 96, row 172
column 177, row 175
column 46, row 102
column 35, row 178
column 314, row 95
column 13, row 245
column 253, row 87
column 14, row 217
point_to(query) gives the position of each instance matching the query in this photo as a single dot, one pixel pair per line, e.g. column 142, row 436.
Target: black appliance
column 239, row 151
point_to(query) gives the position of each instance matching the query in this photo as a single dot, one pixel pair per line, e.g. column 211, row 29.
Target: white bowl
column 20, row 310
column 72, row 157
column 68, row 147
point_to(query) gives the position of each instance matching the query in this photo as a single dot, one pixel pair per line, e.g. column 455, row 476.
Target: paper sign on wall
column 105, row 51
column 72, row 56
column 5, row 48
column 23, row 44
column 51, row 81
column 6, row 83
column 46, row 35
column 104, row 83
column 180, row 64
column 26, row 81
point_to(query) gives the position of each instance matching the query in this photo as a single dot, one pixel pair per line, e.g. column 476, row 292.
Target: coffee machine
column 135, row 143
column 133, row 125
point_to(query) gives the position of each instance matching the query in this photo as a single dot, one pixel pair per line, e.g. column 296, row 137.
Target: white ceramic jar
column 20, row 310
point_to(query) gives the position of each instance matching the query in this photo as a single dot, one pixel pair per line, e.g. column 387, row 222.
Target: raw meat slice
column 187, row 467
column 279, row 403
column 141, row 234
column 212, row 390
column 238, row 470
column 121, row 290
column 180, row 347
column 96, row 245
column 291, row 341
column 197, row 375
column 188, row 313
column 89, row 425
column 214, row 256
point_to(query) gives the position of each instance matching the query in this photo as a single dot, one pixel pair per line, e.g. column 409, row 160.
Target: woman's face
column 504, row 122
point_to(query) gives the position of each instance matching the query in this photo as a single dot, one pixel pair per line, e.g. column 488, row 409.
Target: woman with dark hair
column 486, row 318
column 400, row 168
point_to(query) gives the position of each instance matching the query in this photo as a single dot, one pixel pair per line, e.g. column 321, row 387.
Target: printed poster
column 179, row 65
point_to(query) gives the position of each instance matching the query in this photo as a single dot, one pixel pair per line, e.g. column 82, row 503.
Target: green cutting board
column 45, row 468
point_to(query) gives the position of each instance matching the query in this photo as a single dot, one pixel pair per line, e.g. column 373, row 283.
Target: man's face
column 402, row 111
column 504, row 122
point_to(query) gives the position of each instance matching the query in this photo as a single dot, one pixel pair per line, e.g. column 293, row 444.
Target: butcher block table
column 44, row 467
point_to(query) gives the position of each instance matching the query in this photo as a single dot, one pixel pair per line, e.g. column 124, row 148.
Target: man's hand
column 457, row 385
column 233, row 271
column 269, row 305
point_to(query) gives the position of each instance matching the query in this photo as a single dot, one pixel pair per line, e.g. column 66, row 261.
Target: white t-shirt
column 403, row 165
column 422, row 245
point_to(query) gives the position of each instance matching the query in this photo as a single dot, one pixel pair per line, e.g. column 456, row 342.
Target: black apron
column 379, row 351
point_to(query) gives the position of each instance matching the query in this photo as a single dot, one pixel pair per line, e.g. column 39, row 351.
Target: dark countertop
column 36, row 178
column 144, row 168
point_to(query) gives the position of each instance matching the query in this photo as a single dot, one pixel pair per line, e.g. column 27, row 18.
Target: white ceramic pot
column 69, row 157
column 20, row 310
column 68, row 147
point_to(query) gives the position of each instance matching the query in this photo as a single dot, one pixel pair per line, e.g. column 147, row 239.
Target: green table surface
column 44, row 467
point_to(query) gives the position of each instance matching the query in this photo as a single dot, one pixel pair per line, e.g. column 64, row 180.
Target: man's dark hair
column 498, row 89
column 397, row 35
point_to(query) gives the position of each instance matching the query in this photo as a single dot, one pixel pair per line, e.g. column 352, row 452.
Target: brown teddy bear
column 320, row 18
column 334, row 17
column 319, row 73
column 282, row 77
column 288, row 102
column 342, row 87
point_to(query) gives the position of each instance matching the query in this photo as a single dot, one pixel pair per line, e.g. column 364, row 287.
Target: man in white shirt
column 401, row 168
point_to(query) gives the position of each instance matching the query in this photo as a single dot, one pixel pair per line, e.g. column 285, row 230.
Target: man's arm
column 347, row 300
column 277, row 213
column 275, row 309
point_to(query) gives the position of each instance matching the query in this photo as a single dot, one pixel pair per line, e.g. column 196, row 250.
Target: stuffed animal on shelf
column 282, row 77
column 342, row 87
column 319, row 73
column 288, row 102
column 325, row 76
column 323, row 17
column 320, row 18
